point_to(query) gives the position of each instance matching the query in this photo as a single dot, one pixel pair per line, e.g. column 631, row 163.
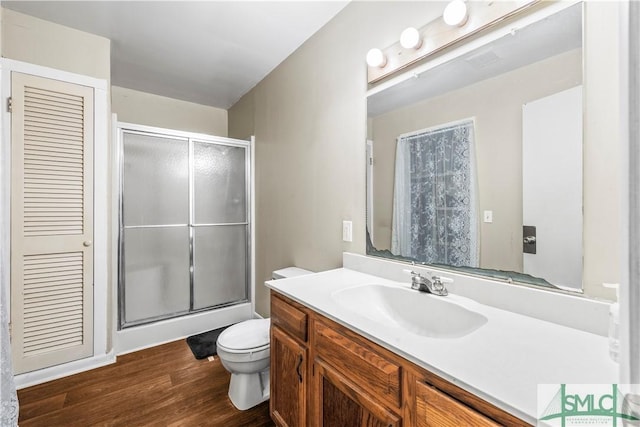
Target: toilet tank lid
column 246, row 335
column 285, row 273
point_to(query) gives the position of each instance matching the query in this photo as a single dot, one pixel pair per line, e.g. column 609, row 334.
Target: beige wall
column 309, row 119
column 32, row 40
column 143, row 108
column 496, row 106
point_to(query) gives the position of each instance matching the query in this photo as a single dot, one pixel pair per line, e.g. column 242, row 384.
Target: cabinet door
column 288, row 380
column 340, row 403
column 436, row 409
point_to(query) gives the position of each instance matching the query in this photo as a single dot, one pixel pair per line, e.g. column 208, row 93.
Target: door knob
column 529, row 240
column 86, row 243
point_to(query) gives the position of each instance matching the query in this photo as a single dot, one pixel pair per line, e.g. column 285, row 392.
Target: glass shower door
column 184, row 235
column 220, row 224
column 155, row 219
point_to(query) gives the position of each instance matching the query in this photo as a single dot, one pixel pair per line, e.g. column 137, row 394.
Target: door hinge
column 9, row 103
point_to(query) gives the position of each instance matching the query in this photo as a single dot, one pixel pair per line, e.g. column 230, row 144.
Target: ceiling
column 207, row 52
column 556, row 34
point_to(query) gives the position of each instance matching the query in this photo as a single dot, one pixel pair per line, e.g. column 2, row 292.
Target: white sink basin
column 421, row 313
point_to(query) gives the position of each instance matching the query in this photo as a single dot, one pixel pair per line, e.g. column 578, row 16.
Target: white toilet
column 244, row 351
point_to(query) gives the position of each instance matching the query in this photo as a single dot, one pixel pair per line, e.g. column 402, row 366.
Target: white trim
column 60, row 371
column 115, row 223
column 252, row 226
column 5, row 194
column 52, row 73
column 101, row 201
column 101, row 196
column 140, row 337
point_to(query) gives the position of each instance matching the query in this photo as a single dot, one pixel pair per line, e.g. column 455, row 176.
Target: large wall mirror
column 477, row 162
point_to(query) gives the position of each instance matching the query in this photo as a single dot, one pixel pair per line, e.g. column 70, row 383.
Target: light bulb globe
column 455, row 14
column 410, row 38
column 375, row 58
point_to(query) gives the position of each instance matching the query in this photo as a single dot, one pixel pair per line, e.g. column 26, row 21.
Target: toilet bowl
column 244, row 351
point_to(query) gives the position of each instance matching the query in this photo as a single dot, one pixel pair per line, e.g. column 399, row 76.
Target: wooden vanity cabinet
column 436, row 409
column 339, row 402
column 325, row 375
column 354, row 385
column 289, row 364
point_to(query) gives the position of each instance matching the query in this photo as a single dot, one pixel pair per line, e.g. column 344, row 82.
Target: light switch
column 488, row 216
column 347, row 231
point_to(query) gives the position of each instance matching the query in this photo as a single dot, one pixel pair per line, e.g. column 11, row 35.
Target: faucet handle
column 438, row 285
column 416, row 279
column 413, row 274
column 441, row 279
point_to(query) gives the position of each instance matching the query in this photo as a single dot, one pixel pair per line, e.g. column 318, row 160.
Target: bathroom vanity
column 324, row 373
column 334, row 364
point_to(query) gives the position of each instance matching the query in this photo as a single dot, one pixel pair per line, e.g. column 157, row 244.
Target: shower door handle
column 300, row 359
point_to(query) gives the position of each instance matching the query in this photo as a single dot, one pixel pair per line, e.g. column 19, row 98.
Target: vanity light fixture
column 443, row 32
column 410, row 39
column 375, row 58
column 455, row 14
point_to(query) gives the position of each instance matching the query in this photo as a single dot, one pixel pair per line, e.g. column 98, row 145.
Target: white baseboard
column 59, row 371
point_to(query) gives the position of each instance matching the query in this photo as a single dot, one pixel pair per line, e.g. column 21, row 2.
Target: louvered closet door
column 51, row 222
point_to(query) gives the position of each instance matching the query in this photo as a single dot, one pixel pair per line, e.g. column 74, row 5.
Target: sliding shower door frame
column 191, row 139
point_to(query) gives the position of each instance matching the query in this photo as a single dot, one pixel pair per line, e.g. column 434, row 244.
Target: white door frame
column 101, row 209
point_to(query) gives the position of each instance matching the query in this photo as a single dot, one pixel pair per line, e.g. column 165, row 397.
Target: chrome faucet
column 432, row 286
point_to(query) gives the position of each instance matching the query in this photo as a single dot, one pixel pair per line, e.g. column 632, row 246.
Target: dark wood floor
column 161, row 386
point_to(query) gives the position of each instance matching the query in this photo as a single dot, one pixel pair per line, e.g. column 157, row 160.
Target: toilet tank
column 285, row 273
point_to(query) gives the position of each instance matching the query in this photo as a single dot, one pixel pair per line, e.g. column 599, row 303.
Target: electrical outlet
column 347, row 231
column 488, row 216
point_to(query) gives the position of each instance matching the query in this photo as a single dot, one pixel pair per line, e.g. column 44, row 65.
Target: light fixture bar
column 437, row 35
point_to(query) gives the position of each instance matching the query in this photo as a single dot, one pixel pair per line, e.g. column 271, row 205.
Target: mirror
column 464, row 155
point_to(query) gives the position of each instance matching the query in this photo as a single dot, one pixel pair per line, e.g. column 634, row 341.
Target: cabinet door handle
column 300, row 359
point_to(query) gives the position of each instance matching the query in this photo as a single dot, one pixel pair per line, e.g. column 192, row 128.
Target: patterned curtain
column 435, row 215
column 8, row 398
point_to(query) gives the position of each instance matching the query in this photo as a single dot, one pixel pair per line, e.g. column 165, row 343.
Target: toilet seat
column 250, row 336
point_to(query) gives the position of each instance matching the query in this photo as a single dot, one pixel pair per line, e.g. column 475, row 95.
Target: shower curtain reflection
column 434, row 205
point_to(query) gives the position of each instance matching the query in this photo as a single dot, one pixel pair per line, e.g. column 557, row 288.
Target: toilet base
column 248, row 390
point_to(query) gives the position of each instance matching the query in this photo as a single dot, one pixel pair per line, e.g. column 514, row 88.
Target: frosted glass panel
column 156, row 272
column 220, row 184
column 156, row 180
column 220, row 265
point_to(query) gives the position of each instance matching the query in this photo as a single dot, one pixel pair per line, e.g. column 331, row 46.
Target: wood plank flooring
column 160, row 386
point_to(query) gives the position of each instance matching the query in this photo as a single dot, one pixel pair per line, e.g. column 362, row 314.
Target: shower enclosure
column 184, row 224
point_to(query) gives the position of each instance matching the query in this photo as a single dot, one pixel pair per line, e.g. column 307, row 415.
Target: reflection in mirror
column 470, row 151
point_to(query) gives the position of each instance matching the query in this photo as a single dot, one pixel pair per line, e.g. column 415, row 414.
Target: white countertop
column 502, row 362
